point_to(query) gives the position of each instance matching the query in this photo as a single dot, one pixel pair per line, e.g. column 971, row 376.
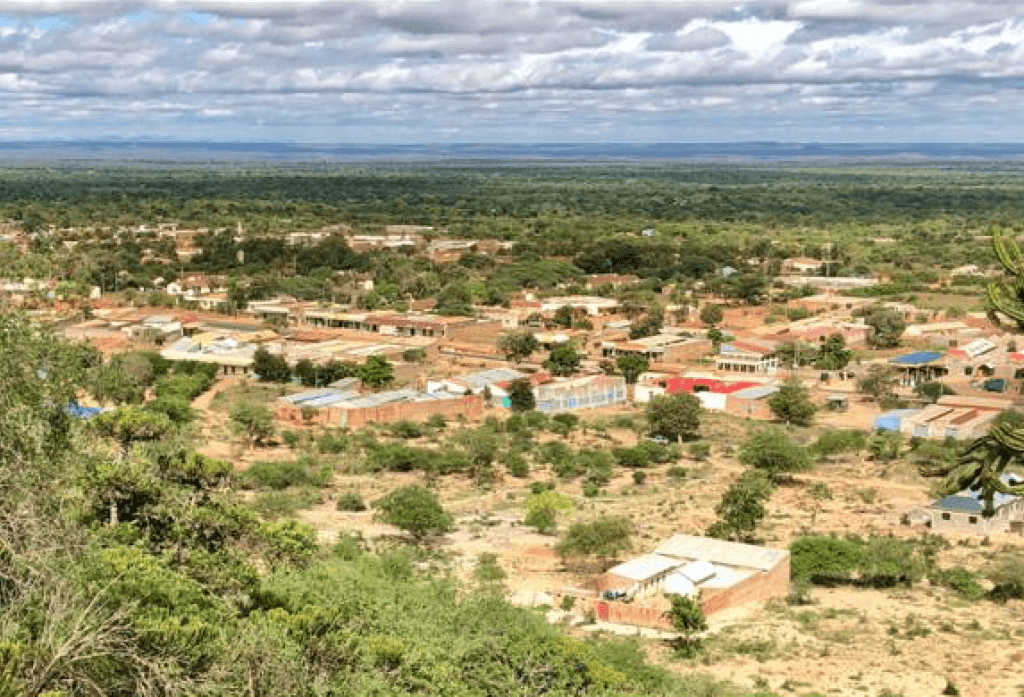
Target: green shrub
column 285, row 504
column 835, row 441
column 291, row 438
column 332, row 443
column 591, row 489
column 437, row 421
column 963, row 581
column 406, row 429
column 639, row 477
column 517, row 466
column 351, row 501
column 676, row 472
column 823, row 559
column 699, row 451
column 281, row 474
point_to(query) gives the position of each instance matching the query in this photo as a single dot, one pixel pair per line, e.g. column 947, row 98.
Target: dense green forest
column 565, row 220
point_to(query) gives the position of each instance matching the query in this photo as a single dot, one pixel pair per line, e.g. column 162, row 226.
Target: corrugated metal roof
column 957, row 502
column 643, row 568
column 759, row 392
column 916, row 358
column 690, row 547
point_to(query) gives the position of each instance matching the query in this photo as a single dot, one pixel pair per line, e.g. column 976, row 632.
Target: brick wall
column 471, row 407
column 756, row 409
column 479, row 332
column 759, row 588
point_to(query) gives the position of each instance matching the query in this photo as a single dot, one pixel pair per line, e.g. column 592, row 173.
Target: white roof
column 698, row 571
column 677, row 584
column 691, row 547
column 643, row 568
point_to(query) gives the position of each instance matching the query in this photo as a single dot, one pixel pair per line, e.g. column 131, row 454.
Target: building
column 233, row 357
column 941, row 422
column 614, row 280
column 919, row 366
column 712, row 393
column 590, row 305
column 661, row 348
column 801, row 265
column 751, row 402
column 580, row 393
column 717, row 573
column 961, row 513
column 344, row 408
column 476, row 383
column 750, row 356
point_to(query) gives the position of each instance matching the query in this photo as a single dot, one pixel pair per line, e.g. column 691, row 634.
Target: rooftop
column 917, row 358
column 691, row 548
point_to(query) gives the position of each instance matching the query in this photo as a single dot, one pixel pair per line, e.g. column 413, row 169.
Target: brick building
column 719, row 574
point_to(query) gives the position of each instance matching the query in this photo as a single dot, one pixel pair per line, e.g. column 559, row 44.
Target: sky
column 464, row 71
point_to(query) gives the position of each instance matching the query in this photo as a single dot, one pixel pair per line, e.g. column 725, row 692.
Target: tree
column 124, row 379
column 771, row 451
column 270, row 366
column 542, row 510
column 792, row 404
column 930, row 390
column 307, row 372
column 742, row 507
column 563, row 361
column 563, row 316
column 711, row 315
column 632, row 366
column 648, row 325
column 132, row 424
column 376, row 372
column 887, row 327
column 518, row 346
column 687, row 618
column 254, row 421
column 520, row 395
column 833, row 354
column 675, row 416
column 415, row 510
column 879, row 383
column 604, row 537
column 455, row 300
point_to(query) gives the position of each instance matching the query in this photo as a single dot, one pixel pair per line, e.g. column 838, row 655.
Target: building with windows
column 749, row 356
column 961, row 513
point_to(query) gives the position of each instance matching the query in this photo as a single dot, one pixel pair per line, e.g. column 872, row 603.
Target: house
column 345, row 408
column 939, row 421
column 476, row 383
column 751, row 402
column 590, row 305
column 749, row 356
column 718, row 574
column 801, row 265
column 712, row 393
column 661, row 348
column 919, row 366
column 615, row 280
column 961, row 513
column 586, row 392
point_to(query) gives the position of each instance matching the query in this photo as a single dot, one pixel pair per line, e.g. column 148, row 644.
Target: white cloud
column 545, row 70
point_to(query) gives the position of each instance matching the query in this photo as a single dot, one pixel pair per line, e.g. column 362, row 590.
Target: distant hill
column 163, row 151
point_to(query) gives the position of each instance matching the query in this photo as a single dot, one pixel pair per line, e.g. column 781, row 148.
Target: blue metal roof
column 891, row 420
column 956, row 502
column 970, row 501
column 916, row 358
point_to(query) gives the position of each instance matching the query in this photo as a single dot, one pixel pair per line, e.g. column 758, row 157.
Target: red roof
column 958, row 353
column 1017, row 356
column 674, row 385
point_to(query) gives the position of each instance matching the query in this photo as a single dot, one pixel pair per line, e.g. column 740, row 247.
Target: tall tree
column 887, row 327
column 792, row 404
column 563, row 361
column 518, row 346
column 675, row 416
column 632, row 366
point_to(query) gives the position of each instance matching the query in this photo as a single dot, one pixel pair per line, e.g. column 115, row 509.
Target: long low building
column 717, row 573
column 347, row 408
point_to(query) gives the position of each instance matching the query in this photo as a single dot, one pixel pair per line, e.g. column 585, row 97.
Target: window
column 946, row 516
column 973, row 520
